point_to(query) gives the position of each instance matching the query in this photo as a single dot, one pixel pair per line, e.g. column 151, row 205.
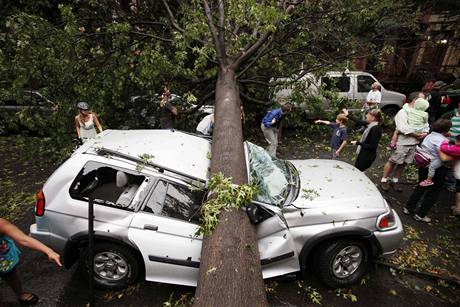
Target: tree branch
column 215, row 34
column 172, row 18
column 152, row 36
column 250, row 51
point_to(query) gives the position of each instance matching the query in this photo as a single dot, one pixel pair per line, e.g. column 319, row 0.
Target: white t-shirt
column 374, row 96
column 206, row 124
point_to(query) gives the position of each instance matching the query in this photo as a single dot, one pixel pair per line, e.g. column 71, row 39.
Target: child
column 417, row 118
column 447, row 148
column 339, row 133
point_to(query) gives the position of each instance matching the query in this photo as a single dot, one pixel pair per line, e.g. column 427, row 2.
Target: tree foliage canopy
column 106, row 51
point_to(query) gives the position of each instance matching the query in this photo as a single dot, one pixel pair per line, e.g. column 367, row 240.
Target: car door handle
column 151, row 227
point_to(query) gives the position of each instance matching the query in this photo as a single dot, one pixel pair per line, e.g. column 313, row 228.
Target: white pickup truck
column 354, row 85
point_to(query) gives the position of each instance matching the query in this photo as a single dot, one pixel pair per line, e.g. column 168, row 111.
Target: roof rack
column 105, row 151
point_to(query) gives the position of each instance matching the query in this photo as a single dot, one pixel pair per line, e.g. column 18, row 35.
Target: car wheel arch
column 77, row 242
column 363, row 235
column 391, row 109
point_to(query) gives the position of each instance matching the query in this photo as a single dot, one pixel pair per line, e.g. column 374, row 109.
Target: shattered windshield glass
column 270, row 174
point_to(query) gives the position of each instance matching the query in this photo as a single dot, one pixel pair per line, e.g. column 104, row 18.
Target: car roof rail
column 106, row 151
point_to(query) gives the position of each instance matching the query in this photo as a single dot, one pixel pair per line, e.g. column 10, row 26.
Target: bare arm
column 96, row 121
column 77, row 126
column 23, row 240
column 445, row 157
column 320, row 121
column 173, row 111
column 341, row 147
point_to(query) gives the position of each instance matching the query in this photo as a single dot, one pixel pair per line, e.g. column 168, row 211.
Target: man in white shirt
column 206, row 124
column 405, row 147
column 374, row 97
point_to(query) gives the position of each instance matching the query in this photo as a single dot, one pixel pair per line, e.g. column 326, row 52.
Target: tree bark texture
column 230, row 270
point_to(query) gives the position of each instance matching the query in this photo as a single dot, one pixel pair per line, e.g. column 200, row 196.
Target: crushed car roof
column 183, row 152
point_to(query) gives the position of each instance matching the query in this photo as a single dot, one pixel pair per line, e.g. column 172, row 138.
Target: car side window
column 365, row 83
column 107, row 185
column 176, row 201
column 340, row 84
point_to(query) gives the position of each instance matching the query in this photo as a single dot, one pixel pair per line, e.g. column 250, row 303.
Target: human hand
column 345, row 111
column 54, row 257
column 318, row 121
column 353, row 142
column 337, row 153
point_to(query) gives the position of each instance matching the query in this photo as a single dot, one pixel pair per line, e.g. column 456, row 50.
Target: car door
column 276, row 245
column 163, row 230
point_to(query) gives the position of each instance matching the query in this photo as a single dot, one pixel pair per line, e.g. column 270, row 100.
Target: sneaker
column 406, row 211
column 425, row 219
column 426, row 183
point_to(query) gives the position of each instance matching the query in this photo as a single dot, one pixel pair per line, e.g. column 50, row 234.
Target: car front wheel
column 342, row 262
column 115, row 266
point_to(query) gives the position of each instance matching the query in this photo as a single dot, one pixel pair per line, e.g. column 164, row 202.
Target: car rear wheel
column 342, row 262
column 115, row 266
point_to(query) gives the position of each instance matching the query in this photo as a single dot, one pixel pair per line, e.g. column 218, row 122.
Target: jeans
column 271, row 135
column 428, row 195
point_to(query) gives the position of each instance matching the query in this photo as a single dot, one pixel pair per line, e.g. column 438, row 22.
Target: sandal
column 31, row 299
column 426, row 183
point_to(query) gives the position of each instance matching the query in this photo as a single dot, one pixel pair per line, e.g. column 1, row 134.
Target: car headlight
column 386, row 221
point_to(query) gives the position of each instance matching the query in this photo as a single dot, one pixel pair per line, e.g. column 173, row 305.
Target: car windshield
column 271, row 175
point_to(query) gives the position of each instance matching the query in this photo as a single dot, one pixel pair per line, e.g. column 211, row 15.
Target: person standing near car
column 270, row 124
column 374, row 97
column 427, row 195
column 168, row 112
column 369, row 142
column 10, row 235
column 206, row 124
column 86, row 123
column 405, row 147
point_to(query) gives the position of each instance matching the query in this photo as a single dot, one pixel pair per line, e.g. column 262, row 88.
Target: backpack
column 421, row 158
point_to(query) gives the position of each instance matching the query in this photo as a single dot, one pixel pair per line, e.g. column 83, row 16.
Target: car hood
column 332, row 183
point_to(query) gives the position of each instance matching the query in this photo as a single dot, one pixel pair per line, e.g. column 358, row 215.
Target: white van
column 354, row 85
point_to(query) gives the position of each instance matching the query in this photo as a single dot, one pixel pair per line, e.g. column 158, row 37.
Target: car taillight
column 446, row 100
column 40, row 204
column 386, row 221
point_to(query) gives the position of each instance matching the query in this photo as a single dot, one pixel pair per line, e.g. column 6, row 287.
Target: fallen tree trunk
column 230, row 270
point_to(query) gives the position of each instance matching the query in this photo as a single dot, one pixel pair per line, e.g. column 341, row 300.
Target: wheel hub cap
column 347, row 261
column 110, row 266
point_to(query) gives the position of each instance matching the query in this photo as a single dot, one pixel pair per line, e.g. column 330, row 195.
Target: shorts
column 11, row 272
column 403, row 154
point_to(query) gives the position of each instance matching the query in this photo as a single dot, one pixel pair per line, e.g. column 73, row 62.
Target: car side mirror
column 254, row 214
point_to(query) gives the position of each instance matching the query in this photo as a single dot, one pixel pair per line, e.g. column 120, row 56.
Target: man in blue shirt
column 270, row 124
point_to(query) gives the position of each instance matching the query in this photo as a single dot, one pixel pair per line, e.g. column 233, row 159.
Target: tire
column 331, row 259
column 390, row 112
column 115, row 266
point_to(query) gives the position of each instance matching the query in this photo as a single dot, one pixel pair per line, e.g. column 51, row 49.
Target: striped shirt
column 455, row 130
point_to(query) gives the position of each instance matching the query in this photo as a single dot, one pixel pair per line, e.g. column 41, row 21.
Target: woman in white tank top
column 86, row 123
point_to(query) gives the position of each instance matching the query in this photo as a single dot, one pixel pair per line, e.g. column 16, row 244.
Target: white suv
column 148, row 186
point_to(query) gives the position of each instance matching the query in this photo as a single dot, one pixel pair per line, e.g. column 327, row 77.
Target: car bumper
column 55, row 242
column 390, row 240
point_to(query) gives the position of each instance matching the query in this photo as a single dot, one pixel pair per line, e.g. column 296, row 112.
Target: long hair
column 377, row 115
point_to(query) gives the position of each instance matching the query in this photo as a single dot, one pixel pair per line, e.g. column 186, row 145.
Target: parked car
column 25, row 113
column 354, row 86
column 148, row 186
column 144, row 111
